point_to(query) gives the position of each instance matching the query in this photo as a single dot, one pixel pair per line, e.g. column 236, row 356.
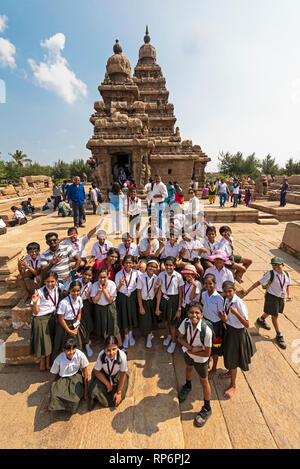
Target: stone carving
column 261, row 185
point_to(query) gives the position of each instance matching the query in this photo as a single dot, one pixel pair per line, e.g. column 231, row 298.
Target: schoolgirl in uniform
column 101, row 248
column 87, row 306
column 213, row 303
column 191, row 289
column 146, row 291
column 239, row 264
column 44, row 303
column 69, row 319
column 169, row 300
column 127, row 247
column 29, row 267
column 109, row 380
column 69, row 381
column 171, row 248
column 238, row 344
column 126, row 282
column 104, row 294
column 189, row 252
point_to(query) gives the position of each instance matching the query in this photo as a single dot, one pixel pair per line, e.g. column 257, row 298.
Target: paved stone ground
column 264, row 412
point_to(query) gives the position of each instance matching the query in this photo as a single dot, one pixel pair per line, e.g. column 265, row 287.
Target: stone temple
column 134, row 126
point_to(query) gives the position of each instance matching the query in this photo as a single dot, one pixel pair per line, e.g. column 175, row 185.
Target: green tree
column 61, row 170
column 292, row 167
column 269, row 166
column 78, row 167
column 20, row 158
column 12, row 171
column 251, row 166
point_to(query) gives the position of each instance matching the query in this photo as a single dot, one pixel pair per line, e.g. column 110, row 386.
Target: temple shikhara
column 134, row 126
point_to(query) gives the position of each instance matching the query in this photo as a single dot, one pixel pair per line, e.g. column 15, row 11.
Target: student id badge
column 166, row 297
column 76, row 324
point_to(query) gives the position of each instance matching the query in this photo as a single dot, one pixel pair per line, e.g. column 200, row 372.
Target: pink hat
column 220, row 255
column 189, row 269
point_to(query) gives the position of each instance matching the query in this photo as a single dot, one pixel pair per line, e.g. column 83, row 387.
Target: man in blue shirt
column 76, row 195
column 283, row 192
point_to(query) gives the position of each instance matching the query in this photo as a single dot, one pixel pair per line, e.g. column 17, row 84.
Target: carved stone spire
column 147, row 37
column 117, row 48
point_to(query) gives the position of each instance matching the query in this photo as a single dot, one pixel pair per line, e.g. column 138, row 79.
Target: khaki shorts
column 201, row 368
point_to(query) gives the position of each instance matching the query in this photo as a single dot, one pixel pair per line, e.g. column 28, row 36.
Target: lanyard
column 149, row 289
column 124, row 275
column 83, row 288
column 127, row 250
column 75, row 315
column 112, row 368
column 211, row 250
column 194, row 336
column 168, row 286
column 227, row 307
column 34, row 264
column 281, row 283
column 190, row 251
column 185, row 292
column 105, row 250
column 53, row 300
column 76, row 244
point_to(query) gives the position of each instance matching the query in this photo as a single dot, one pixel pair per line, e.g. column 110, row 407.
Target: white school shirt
column 187, row 290
column 100, row 252
column 144, row 243
column 33, row 263
column 83, row 288
column 142, row 285
column 194, row 205
column 65, row 307
column 169, row 250
column 226, row 247
column 191, row 248
column 18, row 214
column 197, row 342
column 81, row 242
column 240, row 305
column 177, row 281
column 47, row 306
column 2, row 223
column 221, row 277
column 131, row 280
column 111, row 290
column 132, row 250
column 65, row 367
column 211, row 248
column 122, row 367
column 161, row 190
column 275, row 287
column 211, row 305
column 133, row 207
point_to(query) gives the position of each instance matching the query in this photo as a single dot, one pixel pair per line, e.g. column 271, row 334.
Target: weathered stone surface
column 9, row 298
column 291, row 238
column 21, row 317
column 17, row 349
column 267, row 221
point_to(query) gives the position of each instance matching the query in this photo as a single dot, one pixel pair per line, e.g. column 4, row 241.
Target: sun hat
column 220, row 255
column 189, row 269
column 277, row 260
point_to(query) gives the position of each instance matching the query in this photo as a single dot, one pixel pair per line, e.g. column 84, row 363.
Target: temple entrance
column 121, row 161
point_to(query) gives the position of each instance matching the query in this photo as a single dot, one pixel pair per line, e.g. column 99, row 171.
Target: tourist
column 3, row 228
column 179, row 197
column 219, row 270
column 69, row 381
column 196, row 342
column 76, row 194
column 193, row 207
column 235, row 194
column 69, row 319
column 191, row 289
column 27, row 206
column 159, row 193
column 222, row 191
column 148, row 189
column 87, row 312
column 29, row 267
column 100, row 248
column 240, row 194
column 111, row 263
column 146, row 291
column 128, row 247
column 283, row 192
column 212, row 303
column 226, row 245
column 238, row 345
column 56, row 194
column 169, row 300
column 104, row 294
column 58, row 258
column 212, row 191
column 134, row 211
column 116, row 208
column 277, row 285
column 64, row 209
column 44, row 303
column 171, row 193
column 94, row 198
column 64, row 188
column 126, row 282
column 77, row 243
column 19, row 217
column 109, row 382
column 247, row 199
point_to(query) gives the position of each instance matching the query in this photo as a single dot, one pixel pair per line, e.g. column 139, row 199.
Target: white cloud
column 3, row 25
column 7, row 52
column 54, row 73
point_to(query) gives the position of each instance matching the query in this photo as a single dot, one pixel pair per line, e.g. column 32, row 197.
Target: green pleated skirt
column 169, row 308
column 66, row 393
column 127, row 308
column 238, row 348
column 106, row 320
column 87, row 316
column 98, row 391
column 61, row 335
column 148, row 321
column 42, row 335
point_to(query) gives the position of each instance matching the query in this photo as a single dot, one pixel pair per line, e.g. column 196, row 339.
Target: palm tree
column 20, row 158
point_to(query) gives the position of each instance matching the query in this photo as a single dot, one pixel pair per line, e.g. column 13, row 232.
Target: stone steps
column 267, row 221
column 5, row 320
column 9, row 297
column 17, row 348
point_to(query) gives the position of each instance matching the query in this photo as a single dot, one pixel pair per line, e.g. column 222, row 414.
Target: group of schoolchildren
column 188, row 284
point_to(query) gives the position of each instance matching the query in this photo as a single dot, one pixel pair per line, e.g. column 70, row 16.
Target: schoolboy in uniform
column 127, row 247
column 226, row 245
column 100, row 248
column 29, row 267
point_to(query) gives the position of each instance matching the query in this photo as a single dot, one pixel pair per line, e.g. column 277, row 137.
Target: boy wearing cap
column 277, row 284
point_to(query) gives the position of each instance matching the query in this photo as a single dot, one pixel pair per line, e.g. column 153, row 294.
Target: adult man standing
column 159, row 193
column 76, row 194
column 223, row 191
column 283, row 192
column 94, row 198
column 56, row 194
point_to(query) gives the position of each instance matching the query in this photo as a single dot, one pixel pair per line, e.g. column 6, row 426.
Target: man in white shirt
column 159, row 194
column 193, row 207
column 134, row 210
column 148, row 189
column 223, row 191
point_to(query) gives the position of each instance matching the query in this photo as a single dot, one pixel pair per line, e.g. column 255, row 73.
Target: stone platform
column 215, row 213
column 287, row 213
column 291, row 239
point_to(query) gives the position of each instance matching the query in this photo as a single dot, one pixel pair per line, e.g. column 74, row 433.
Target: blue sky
column 232, row 68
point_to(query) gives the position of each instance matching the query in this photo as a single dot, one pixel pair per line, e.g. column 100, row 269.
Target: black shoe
column 280, row 341
column 202, row 416
column 262, row 323
column 184, row 393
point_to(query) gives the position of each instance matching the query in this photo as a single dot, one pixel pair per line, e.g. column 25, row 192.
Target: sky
column 232, row 68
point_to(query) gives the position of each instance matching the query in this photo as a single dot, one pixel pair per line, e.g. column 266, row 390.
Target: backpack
column 204, row 324
column 272, row 277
